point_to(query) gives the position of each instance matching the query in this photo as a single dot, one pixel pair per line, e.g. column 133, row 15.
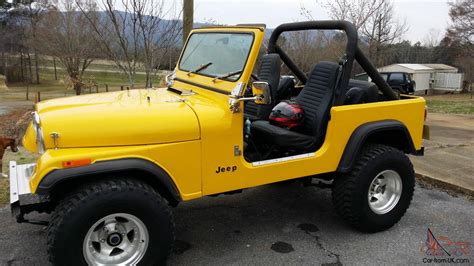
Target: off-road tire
column 78, row 211
column 350, row 191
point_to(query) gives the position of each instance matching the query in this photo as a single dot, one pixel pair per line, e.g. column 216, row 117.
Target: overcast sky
column 422, row 16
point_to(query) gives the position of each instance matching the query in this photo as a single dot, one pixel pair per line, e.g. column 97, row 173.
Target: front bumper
column 19, row 180
column 22, row 201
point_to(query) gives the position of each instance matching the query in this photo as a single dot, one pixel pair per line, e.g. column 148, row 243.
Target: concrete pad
column 449, row 154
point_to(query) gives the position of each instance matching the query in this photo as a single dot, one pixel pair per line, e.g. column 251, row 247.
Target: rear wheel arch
column 58, row 183
column 387, row 132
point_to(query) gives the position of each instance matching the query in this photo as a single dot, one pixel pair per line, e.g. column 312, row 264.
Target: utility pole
column 188, row 14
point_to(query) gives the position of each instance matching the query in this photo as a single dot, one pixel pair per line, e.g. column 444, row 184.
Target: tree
column 356, row 11
column 461, row 29
column 374, row 20
column 460, row 36
column 11, row 40
column 188, row 18
column 65, row 34
column 382, row 29
column 29, row 14
column 135, row 36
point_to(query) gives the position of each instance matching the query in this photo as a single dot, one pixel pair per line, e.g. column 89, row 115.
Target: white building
column 429, row 76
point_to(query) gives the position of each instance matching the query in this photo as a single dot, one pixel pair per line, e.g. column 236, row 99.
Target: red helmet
column 287, row 114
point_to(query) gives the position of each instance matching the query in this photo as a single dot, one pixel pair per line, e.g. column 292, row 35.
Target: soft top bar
column 352, row 51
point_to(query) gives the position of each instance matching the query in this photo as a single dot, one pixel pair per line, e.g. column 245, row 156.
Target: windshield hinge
column 237, row 151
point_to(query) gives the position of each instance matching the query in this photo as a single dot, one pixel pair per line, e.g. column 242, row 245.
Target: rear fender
column 388, row 132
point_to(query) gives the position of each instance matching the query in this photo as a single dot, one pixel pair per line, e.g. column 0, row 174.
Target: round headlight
column 39, row 133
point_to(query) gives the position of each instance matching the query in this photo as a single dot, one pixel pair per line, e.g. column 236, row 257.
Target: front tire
column 114, row 221
column 378, row 191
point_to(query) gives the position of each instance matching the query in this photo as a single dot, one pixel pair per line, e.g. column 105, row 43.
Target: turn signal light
column 76, row 163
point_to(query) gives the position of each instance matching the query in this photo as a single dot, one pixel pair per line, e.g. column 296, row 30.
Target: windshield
column 227, row 52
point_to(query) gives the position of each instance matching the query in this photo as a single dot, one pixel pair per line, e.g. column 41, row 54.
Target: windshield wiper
column 199, row 69
column 230, row 74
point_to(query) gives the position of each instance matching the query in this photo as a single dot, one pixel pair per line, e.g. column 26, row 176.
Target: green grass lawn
column 451, row 104
column 4, row 191
column 51, row 88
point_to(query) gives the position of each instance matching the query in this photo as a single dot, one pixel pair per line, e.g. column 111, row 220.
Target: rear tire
column 109, row 219
column 378, row 191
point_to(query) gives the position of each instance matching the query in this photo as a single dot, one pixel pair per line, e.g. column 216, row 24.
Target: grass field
column 51, row 88
column 450, row 104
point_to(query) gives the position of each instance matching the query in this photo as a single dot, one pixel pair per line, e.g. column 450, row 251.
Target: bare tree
column 66, row 35
column 133, row 37
column 432, row 38
column 374, row 20
column 381, row 29
column 355, row 11
column 461, row 29
column 30, row 13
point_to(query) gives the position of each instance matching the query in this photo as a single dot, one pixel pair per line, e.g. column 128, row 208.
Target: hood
column 134, row 117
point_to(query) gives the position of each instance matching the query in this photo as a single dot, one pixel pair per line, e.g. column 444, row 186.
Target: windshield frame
column 178, row 66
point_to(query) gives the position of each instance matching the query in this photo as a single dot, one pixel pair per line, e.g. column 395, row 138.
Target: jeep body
column 188, row 140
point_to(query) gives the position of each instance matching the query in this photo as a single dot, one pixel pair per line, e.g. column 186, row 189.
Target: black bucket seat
column 270, row 72
column 316, row 99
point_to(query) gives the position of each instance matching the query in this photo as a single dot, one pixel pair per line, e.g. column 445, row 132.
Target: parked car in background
column 400, row 82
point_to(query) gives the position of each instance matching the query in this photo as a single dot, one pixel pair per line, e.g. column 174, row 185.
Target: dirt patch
column 14, row 123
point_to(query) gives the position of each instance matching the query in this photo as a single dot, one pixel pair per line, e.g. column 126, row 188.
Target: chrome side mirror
column 261, row 92
column 169, row 79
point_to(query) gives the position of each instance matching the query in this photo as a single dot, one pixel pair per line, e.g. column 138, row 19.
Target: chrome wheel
column 385, row 191
column 118, row 238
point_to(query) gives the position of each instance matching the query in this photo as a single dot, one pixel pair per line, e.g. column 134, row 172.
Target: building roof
column 411, row 68
column 440, row 66
column 415, row 66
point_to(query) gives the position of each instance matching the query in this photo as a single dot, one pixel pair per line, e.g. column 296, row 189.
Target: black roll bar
column 370, row 69
column 352, row 51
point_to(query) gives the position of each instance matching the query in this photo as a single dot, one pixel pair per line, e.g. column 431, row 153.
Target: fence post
column 106, row 88
column 39, row 96
column 96, row 88
column 27, row 92
column 121, row 88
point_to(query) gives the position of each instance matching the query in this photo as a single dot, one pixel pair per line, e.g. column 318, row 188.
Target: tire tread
column 345, row 185
column 94, row 189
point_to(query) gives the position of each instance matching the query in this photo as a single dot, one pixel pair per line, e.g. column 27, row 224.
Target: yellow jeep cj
column 111, row 164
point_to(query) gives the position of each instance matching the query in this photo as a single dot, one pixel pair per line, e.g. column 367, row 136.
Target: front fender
column 154, row 175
